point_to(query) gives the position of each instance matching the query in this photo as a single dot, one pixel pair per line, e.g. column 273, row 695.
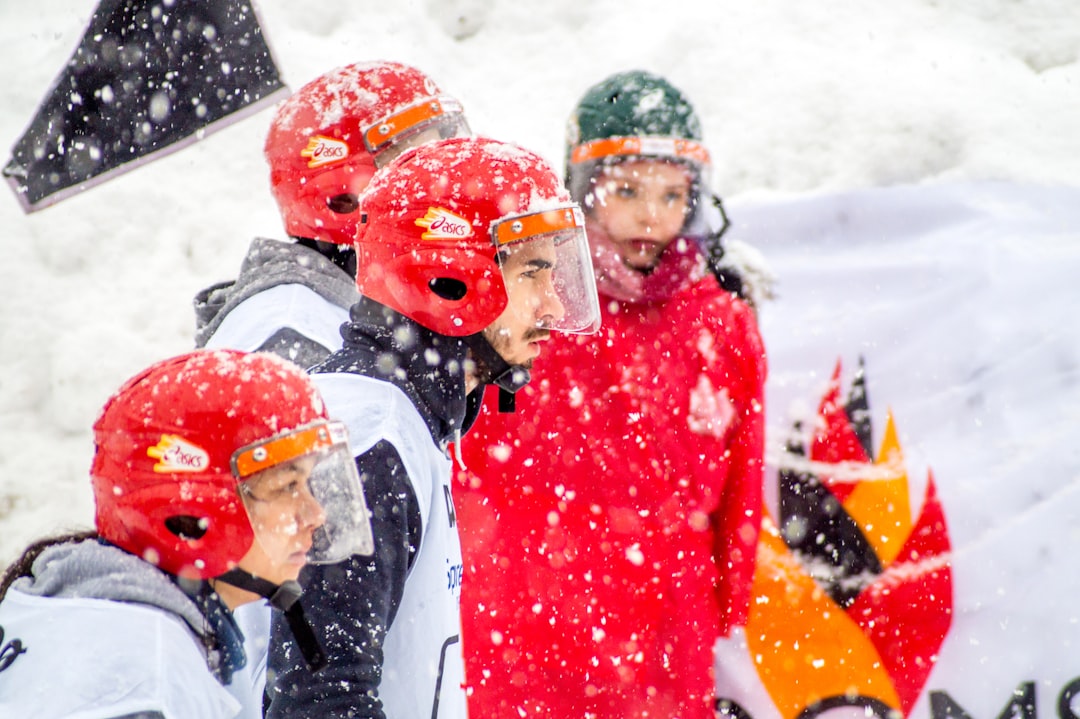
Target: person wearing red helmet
column 292, row 297
column 216, row 476
column 470, row 254
column 324, row 144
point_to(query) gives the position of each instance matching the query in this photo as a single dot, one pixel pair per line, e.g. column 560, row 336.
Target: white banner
column 922, row 556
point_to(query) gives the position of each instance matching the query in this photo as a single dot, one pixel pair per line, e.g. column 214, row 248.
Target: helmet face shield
column 337, row 486
column 431, row 119
column 585, row 159
column 303, row 495
column 547, row 268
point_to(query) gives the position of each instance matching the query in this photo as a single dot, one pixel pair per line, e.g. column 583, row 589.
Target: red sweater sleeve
column 737, row 519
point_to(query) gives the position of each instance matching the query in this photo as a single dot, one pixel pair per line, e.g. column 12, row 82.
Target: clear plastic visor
column 547, row 268
column 432, row 119
column 303, row 494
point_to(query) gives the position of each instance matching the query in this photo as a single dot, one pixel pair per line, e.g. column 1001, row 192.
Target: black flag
column 148, row 77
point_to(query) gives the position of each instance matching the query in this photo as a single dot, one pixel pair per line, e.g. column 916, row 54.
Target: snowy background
column 838, row 131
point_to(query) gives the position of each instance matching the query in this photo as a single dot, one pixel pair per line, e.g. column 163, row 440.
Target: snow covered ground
column 839, row 130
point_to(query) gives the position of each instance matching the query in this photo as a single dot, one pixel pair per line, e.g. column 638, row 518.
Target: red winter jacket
column 609, row 526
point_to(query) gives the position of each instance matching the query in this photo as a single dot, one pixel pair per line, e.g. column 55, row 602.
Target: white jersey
column 423, row 670
column 249, row 683
column 294, row 306
column 98, row 659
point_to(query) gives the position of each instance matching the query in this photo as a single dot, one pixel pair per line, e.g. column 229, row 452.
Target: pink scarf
column 681, row 265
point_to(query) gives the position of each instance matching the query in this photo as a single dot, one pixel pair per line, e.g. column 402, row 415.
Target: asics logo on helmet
column 176, row 454
column 322, row 150
column 442, row 224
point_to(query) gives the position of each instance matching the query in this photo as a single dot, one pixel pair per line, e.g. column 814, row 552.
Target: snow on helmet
column 439, row 222
column 175, row 442
column 327, row 139
column 631, row 114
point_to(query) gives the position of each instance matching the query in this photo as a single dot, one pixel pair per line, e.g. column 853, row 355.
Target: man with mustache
column 469, row 254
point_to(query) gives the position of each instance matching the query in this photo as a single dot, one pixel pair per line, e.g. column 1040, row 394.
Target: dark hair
column 341, row 255
column 21, row 566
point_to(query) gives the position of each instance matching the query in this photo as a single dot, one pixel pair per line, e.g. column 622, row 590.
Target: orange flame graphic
column 853, row 598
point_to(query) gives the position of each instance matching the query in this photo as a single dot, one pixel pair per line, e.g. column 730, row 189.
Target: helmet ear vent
column 343, row 204
column 448, row 288
column 186, row 526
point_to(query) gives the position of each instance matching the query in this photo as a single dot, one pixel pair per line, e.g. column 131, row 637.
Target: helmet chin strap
column 284, row 597
column 491, row 368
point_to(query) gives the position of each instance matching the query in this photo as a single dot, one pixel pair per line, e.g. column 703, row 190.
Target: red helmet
column 327, row 139
column 171, row 447
column 439, row 221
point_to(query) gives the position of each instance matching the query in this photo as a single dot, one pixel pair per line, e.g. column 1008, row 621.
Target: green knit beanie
column 633, row 113
column 633, row 104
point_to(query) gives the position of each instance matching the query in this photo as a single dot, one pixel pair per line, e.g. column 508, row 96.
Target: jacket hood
column 429, row 367
column 270, row 263
column 92, row 569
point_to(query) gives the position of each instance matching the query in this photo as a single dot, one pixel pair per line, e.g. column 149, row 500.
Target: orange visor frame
column 404, row 122
column 572, row 277
column 314, row 437
column 542, row 222
column 645, row 146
